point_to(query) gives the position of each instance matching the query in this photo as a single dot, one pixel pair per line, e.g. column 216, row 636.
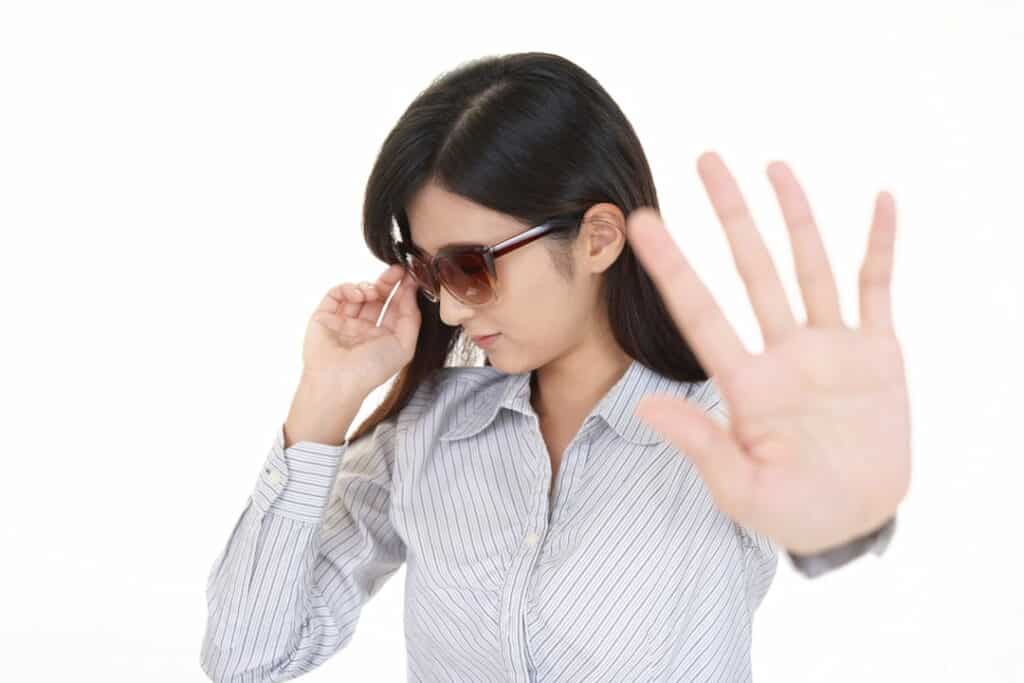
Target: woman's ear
column 603, row 233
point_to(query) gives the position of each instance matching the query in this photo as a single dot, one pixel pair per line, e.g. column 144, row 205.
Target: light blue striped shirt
column 627, row 572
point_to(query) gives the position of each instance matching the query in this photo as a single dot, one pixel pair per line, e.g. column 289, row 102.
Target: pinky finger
column 876, row 271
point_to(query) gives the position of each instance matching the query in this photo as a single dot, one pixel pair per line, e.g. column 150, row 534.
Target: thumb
column 726, row 469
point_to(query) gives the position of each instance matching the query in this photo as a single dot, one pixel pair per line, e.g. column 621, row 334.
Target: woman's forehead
column 438, row 218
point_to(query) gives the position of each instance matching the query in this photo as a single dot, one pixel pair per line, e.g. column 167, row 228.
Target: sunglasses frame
column 487, row 253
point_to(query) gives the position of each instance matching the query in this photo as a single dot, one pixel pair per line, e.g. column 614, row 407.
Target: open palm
column 816, row 448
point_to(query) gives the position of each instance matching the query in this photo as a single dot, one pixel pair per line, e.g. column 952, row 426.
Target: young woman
column 588, row 504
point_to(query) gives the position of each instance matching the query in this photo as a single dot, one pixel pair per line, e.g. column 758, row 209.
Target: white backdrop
column 180, row 182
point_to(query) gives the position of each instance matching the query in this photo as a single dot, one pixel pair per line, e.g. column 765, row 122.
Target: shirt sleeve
column 313, row 543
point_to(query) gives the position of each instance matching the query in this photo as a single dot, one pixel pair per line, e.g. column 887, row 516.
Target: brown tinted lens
column 466, row 276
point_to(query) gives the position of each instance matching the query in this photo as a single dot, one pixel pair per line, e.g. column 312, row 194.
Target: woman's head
column 544, row 296
column 495, row 147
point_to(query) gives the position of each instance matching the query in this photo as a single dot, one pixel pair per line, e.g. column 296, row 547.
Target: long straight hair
column 530, row 135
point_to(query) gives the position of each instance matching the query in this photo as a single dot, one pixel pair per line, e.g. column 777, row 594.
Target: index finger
column 336, row 301
column 696, row 313
column 392, row 275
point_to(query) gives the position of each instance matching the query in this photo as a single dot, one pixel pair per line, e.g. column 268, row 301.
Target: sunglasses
column 467, row 270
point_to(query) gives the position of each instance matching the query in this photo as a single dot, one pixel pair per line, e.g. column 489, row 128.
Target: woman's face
column 539, row 314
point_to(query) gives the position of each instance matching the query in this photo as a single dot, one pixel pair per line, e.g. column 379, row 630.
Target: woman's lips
column 486, row 340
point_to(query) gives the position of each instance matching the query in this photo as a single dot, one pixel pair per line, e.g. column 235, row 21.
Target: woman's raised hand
column 816, row 449
column 343, row 337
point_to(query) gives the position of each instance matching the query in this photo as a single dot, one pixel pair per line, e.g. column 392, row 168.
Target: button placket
column 533, row 544
column 574, row 458
column 521, row 579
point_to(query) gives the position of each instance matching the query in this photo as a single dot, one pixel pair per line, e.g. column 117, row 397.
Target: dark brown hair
column 530, row 135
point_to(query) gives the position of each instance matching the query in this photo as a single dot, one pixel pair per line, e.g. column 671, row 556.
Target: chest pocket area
column 458, row 518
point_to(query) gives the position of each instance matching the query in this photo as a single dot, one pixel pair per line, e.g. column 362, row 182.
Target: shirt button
column 532, row 538
column 275, row 477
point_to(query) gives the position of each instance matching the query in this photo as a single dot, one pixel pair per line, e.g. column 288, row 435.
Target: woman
column 589, row 504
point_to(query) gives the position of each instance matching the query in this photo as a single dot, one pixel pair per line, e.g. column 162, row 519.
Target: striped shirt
column 627, row 571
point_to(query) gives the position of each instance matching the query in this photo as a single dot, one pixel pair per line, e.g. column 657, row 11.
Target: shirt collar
column 616, row 407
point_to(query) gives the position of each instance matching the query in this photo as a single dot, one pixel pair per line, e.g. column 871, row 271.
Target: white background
column 180, row 182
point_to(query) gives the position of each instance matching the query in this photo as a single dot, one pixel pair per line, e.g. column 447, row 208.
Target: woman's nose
column 453, row 312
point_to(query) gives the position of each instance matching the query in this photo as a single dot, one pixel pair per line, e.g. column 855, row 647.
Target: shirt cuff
column 816, row 564
column 297, row 482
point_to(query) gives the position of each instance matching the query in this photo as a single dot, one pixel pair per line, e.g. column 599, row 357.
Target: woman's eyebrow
column 445, row 246
column 419, row 248
column 461, row 243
